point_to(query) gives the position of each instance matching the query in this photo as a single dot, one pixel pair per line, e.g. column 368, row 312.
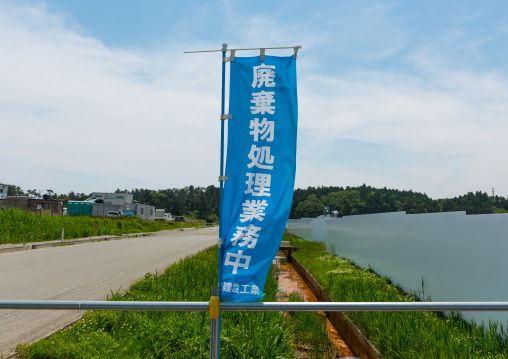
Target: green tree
column 346, row 202
column 14, row 191
column 310, row 208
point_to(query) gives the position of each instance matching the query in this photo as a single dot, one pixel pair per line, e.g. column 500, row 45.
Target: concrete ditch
column 353, row 336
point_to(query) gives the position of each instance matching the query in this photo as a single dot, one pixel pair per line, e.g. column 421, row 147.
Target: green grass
column 399, row 334
column 137, row 334
column 310, row 332
column 17, row 226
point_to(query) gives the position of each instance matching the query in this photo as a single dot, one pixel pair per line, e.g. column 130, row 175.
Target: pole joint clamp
column 223, row 178
column 226, row 116
column 296, row 48
column 214, row 306
column 231, row 57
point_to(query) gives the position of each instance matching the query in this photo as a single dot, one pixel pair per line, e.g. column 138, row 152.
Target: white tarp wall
column 301, row 228
column 460, row 257
column 311, row 229
column 319, row 229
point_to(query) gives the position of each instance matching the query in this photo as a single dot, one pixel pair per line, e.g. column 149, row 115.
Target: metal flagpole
column 215, row 323
column 221, row 171
column 214, row 308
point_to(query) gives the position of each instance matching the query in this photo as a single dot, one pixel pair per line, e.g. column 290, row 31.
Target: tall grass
column 136, row 334
column 17, row 226
column 310, row 332
column 399, row 334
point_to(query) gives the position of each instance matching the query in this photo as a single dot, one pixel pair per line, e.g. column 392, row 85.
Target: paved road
column 83, row 272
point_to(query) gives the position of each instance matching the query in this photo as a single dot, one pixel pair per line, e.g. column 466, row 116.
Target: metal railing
column 258, row 307
column 215, row 307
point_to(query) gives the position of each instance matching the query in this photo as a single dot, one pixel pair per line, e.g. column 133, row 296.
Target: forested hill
column 312, row 202
column 203, row 202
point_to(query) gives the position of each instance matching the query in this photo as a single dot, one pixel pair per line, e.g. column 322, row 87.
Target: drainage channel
column 291, row 282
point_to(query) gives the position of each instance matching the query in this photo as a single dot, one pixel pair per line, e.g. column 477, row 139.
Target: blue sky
column 98, row 95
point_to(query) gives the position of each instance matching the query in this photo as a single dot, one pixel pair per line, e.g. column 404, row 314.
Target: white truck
column 160, row 214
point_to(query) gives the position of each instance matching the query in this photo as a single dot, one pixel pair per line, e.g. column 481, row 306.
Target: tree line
column 203, row 202
column 340, row 201
column 190, row 201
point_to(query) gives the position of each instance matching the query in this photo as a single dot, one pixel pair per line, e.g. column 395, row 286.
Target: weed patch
column 17, row 226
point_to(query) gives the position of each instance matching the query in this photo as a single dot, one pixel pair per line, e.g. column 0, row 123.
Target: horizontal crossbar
column 251, row 48
column 259, row 307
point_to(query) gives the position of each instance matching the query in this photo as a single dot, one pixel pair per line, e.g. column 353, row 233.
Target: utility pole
column 492, row 192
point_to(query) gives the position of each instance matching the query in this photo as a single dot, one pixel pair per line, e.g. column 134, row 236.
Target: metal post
column 62, row 235
column 215, row 323
column 221, row 170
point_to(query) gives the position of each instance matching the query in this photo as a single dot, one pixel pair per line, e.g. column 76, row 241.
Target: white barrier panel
column 301, row 228
column 319, row 230
column 460, row 257
column 311, row 229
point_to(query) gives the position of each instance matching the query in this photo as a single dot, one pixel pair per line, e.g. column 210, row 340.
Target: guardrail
column 215, row 307
column 258, row 307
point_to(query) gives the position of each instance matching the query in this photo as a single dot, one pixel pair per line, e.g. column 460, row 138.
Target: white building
column 3, row 190
column 121, row 202
column 144, row 211
column 115, row 199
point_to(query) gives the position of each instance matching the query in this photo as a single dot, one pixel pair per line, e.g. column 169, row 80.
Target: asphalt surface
column 88, row 271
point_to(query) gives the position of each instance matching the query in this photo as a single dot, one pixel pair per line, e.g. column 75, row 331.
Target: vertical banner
column 261, row 163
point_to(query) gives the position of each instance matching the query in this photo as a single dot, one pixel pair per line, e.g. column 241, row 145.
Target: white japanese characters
column 263, row 75
column 260, row 157
column 237, row 262
column 260, row 165
column 263, row 130
column 258, row 184
column 254, row 209
column 248, row 235
column 263, row 103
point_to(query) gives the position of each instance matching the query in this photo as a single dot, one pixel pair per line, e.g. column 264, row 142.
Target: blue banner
column 261, row 162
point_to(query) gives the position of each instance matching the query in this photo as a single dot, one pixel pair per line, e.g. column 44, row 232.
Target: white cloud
column 445, row 130
column 69, row 104
column 81, row 116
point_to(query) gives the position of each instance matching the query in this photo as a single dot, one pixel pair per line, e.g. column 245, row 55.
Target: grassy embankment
column 399, row 334
column 18, row 226
column 136, row 334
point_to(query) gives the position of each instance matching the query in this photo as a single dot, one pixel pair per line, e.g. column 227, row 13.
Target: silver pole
column 215, row 330
column 258, row 307
column 251, row 48
column 103, row 305
column 367, row 306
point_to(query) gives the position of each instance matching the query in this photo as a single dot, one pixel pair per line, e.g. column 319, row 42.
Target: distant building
column 41, row 206
column 3, row 190
column 144, row 211
column 116, row 199
column 103, row 204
